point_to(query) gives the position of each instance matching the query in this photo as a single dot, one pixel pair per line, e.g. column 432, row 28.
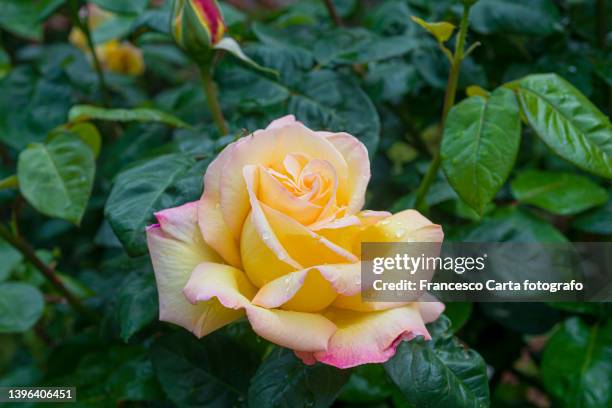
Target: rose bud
column 197, row 25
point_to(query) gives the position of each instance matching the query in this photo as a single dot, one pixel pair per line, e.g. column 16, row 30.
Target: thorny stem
column 210, row 88
column 28, row 252
column 449, row 101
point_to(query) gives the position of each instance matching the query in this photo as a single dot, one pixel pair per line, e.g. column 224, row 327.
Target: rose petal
column 228, row 287
column 280, row 122
column 261, row 264
column 274, row 194
column 430, row 308
column 216, row 233
column 356, row 156
column 303, row 245
column 176, row 247
column 264, row 257
column 224, row 282
column 307, row 332
column 310, row 290
column 355, row 303
column 364, row 338
column 405, row 226
column 265, row 147
column 210, row 218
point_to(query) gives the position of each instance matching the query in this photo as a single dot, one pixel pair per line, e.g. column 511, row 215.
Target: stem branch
column 84, row 27
column 28, row 253
column 331, row 9
column 449, row 101
column 210, row 89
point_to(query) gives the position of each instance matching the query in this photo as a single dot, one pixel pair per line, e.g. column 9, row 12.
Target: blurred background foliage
column 378, row 76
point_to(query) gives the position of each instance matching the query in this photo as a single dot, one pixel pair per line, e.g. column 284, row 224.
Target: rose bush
column 277, row 236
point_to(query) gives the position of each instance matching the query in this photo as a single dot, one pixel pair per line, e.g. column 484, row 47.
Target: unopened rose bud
column 197, row 25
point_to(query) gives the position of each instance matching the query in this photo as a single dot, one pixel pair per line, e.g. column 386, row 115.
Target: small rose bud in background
column 197, row 25
column 120, row 57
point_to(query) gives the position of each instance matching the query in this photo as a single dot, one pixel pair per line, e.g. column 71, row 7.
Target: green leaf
column 122, row 6
column 590, row 308
column 458, row 313
column 329, row 101
column 23, row 18
column 528, row 17
column 21, row 306
column 80, row 113
column 510, row 224
column 577, row 362
column 598, row 221
column 5, row 63
column 359, row 46
column 32, row 105
column 567, row 122
column 440, row 372
column 149, row 186
column 57, row 178
column 558, row 193
column 368, row 383
column 136, row 299
column 212, row 372
column 283, row 381
column 230, row 45
column 87, row 132
column 112, row 374
column 442, row 31
column 115, row 27
column 480, row 144
column 10, row 259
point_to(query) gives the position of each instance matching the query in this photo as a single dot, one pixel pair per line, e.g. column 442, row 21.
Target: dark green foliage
column 527, row 157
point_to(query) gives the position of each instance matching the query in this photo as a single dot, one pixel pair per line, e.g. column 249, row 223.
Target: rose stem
column 210, row 89
column 28, row 252
column 331, row 9
column 449, row 101
column 84, row 27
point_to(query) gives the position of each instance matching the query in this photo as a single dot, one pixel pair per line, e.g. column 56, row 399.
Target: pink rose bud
column 197, row 25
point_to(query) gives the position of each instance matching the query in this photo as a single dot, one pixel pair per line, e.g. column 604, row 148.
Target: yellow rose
column 120, row 57
column 277, row 236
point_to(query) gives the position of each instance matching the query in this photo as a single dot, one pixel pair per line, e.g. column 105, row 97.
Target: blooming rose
column 277, row 236
column 115, row 56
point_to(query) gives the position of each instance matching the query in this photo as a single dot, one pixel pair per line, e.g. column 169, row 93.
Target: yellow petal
column 405, row 226
column 305, row 332
column 274, row 194
column 260, row 263
column 210, row 218
column 227, row 291
column 355, row 303
column 358, row 162
column 310, row 290
column 265, row 147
